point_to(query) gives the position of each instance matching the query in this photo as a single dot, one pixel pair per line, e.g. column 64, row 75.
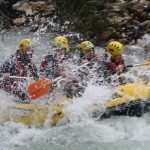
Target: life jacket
column 24, row 67
column 113, row 65
column 24, row 70
column 50, row 66
column 17, row 66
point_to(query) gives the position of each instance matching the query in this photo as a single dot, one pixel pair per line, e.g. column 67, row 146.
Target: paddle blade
column 137, row 65
column 39, row 88
column 147, row 62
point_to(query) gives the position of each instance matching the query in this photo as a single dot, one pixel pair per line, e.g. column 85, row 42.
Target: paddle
column 40, row 87
column 43, row 86
column 137, row 65
column 18, row 77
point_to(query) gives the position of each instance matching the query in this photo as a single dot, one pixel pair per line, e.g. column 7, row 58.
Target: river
column 82, row 132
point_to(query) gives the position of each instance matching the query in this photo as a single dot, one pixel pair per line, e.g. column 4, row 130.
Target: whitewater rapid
column 82, row 132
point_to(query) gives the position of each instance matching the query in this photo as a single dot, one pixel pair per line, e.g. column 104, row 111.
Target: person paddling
column 116, row 64
column 20, row 65
column 52, row 65
column 103, row 65
column 87, row 52
column 87, row 55
column 58, row 63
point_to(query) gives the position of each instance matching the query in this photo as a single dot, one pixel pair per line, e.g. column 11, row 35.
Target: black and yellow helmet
column 61, row 42
column 84, row 46
column 115, row 48
column 25, row 44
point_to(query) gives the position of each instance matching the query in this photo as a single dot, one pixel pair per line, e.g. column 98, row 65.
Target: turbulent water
column 82, row 132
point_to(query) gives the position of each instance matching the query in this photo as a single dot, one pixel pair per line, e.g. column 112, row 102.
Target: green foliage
column 85, row 16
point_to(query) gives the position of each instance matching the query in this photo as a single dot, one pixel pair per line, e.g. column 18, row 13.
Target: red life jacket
column 113, row 65
column 24, row 70
column 20, row 70
column 51, row 66
column 17, row 65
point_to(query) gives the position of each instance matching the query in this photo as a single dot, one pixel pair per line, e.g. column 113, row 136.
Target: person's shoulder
column 121, row 57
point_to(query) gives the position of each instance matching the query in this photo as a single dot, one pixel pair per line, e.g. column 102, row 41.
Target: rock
column 49, row 2
column 50, row 9
column 136, row 22
column 120, row 4
column 123, row 40
column 145, row 23
column 112, row 15
column 40, row 20
column 119, row 20
column 124, row 20
column 39, row 5
column 19, row 21
column 145, row 2
column 138, row 7
column 16, row 6
column 125, row 14
column 141, row 43
column 123, row 35
column 144, row 42
column 25, row 7
column 107, row 35
column 144, row 16
column 133, row 42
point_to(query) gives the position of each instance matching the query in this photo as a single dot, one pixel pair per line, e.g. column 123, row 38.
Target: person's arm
column 121, row 68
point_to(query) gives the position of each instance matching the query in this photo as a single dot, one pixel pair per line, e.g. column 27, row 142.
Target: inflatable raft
column 36, row 114
column 131, row 99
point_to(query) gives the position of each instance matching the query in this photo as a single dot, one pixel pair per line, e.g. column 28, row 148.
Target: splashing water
column 82, row 131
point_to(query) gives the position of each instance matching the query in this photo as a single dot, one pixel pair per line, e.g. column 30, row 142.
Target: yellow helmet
column 115, row 48
column 25, row 44
column 61, row 42
column 84, row 46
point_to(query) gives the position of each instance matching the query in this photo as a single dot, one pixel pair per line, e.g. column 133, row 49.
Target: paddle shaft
column 85, row 64
column 136, row 65
column 18, row 77
column 42, row 86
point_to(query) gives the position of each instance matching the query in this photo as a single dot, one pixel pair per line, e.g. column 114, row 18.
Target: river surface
column 82, row 132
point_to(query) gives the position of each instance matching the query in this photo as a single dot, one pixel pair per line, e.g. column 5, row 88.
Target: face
column 29, row 53
column 89, row 53
column 60, row 51
column 116, row 58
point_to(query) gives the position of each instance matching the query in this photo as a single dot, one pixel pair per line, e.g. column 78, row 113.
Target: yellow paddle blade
column 146, row 62
column 39, row 88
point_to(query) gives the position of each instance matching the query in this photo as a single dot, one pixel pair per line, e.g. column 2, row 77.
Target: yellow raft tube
column 132, row 99
column 128, row 96
column 36, row 114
